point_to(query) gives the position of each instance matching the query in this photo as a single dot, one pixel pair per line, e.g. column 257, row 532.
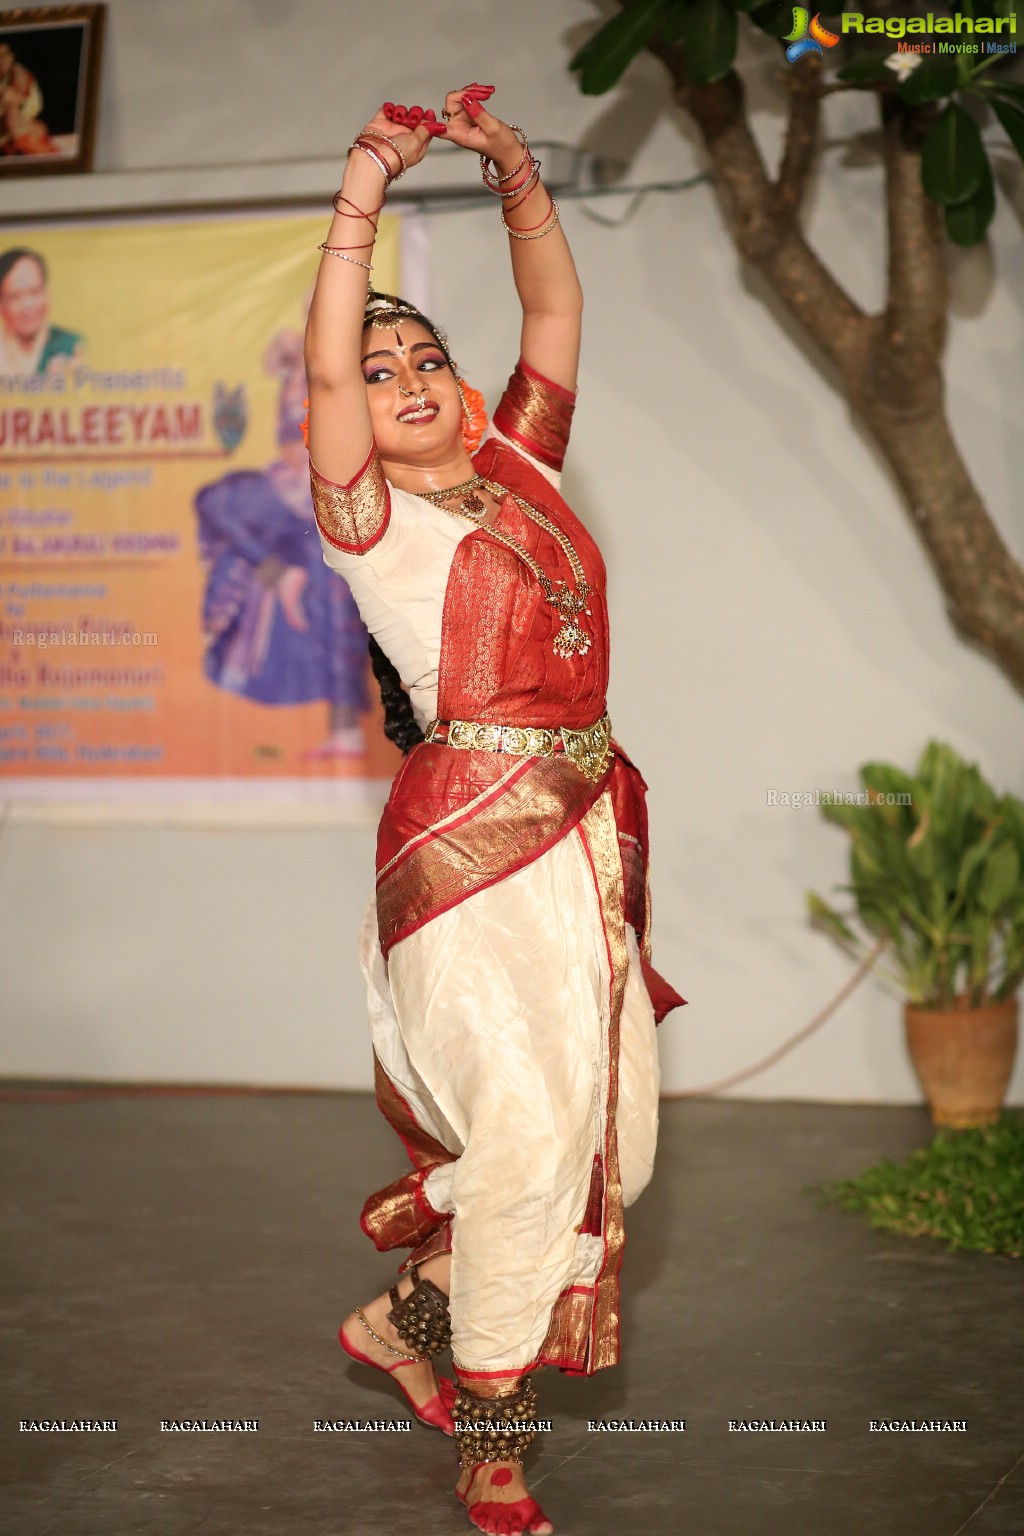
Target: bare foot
column 498, row 1499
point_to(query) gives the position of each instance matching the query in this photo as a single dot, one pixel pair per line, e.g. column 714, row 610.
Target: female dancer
column 507, row 950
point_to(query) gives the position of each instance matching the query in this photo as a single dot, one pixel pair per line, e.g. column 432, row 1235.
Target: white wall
column 775, row 621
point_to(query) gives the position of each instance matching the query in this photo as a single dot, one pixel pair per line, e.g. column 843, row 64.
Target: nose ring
column 403, row 391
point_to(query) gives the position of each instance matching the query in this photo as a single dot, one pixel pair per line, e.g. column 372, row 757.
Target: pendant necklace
column 571, row 639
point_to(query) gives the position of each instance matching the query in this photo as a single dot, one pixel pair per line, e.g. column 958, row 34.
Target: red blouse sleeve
column 353, row 517
column 536, row 414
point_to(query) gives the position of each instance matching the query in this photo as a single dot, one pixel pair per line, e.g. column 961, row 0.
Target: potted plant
column 937, row 874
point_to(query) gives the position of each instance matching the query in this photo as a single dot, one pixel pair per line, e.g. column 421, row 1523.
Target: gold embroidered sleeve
column 536, row 414
column 353, row 517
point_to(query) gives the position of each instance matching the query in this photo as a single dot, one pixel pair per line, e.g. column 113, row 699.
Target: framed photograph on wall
column 49, row 80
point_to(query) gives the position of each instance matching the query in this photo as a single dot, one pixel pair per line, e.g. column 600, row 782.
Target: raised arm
column 340, row 436
column 542, row 265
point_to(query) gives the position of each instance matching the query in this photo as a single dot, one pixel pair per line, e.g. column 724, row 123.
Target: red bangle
column 372, row 144
column 508, row 207
column 526, row 228
column 532, row 170
column 358, row 213
column 533, row 174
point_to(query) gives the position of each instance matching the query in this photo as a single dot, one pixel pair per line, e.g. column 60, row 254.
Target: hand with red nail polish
column 472, row 126
column 397, row 128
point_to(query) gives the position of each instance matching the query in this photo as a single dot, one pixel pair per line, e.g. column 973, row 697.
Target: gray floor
column 191, row 1257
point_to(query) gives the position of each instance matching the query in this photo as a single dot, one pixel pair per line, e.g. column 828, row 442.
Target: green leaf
column 774, row 18
column 967, row 222
column 932, row 79
column 885, row 779
column 603, row 60
column 709, row 34
column 828, row 919
column 866, row 70
column 1005, row 88
column 1012, row 120
column 953, row 160
column 670, row 25
column 1000, row 879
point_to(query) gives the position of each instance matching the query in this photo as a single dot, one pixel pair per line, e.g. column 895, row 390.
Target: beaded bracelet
column 520, row 186
column 375, row 133
column 528, row 228
column 491, row 179
column 377, row 160
column 526, row 188
column 549, row 221
column 525, row 183
column 337, row 250
column 531, row 165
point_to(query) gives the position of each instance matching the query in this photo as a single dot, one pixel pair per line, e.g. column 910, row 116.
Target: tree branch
column 917, row 300
column 801, row 147
column 982, row 582
column 771, row 241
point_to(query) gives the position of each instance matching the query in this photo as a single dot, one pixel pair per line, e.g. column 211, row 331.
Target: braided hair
column 400, row 724
column 384, row 311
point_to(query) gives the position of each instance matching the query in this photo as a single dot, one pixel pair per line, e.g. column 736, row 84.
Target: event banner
column 168, row 626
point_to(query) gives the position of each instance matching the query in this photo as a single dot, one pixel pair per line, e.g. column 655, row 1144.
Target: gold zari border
column 537, row 415
column 352, row 517
column 442, row 870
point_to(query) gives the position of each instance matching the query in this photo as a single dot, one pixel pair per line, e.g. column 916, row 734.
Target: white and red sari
column 506, row 951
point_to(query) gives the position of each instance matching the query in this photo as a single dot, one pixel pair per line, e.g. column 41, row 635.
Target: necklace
column 572, row 639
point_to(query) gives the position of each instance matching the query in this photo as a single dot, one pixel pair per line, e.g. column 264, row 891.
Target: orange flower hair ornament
column 474, row 412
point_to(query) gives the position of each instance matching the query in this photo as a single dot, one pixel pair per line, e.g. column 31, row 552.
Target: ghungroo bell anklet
column 495, row 1428
column 421, row 1319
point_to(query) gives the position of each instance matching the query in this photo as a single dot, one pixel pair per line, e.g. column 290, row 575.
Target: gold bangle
column 375, row 133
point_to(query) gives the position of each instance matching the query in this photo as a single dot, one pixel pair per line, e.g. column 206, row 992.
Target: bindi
column 400, row 347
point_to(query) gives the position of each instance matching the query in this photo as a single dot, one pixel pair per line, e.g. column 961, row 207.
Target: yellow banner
column 166, row 613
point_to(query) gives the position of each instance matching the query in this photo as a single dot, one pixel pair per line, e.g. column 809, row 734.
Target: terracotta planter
column 963, row 1057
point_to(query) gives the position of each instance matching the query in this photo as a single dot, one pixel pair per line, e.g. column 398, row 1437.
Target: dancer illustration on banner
column 280, row 627
column 29, row 344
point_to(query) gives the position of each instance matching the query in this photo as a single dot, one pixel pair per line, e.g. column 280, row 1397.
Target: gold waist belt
column 589, row 750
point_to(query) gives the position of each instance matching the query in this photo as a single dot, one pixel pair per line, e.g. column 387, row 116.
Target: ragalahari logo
column 799, row 41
